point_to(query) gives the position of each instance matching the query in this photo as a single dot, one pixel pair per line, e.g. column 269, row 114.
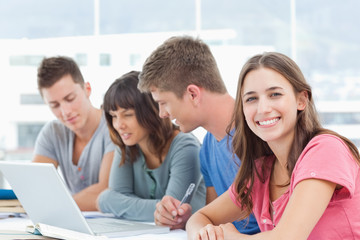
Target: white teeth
column 268, row 122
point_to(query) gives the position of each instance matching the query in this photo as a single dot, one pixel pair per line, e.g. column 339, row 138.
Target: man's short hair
column 52, row 69
column 179, row 62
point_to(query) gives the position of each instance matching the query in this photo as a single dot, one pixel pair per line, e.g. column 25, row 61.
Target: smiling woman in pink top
column 300, row 180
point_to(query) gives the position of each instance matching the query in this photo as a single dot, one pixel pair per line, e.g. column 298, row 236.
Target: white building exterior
column 102, row 59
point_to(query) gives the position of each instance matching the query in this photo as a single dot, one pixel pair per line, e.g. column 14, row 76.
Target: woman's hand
column 230, row 231
column 210, row 232
column 167, row 213
column 205, row 224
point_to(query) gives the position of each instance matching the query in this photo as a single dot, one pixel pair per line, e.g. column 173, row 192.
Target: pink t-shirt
column 325, row 157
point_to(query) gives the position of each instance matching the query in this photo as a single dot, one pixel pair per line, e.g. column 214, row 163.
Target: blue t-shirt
column 219, row 167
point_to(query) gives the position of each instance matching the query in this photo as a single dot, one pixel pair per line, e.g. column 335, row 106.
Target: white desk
column 19, row 224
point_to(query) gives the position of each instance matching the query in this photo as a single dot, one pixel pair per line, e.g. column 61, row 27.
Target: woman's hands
column 222, row 232
column 167, row 213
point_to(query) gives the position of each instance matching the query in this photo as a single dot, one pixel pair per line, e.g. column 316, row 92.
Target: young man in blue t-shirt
column 183, row 77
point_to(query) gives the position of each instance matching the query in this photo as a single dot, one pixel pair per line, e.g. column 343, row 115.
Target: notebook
column 47, row 200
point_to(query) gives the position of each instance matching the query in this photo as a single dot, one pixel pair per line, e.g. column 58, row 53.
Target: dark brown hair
column 53, row 69
column 123, row 93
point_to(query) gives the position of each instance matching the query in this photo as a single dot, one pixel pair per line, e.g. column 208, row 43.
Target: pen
column 187, row 194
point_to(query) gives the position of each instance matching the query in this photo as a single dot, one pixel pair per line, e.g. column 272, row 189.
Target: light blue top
column 135, row 189
column 56, row 141
column 219, row 167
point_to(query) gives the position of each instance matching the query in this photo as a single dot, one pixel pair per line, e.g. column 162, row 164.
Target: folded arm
column 301, row 214
column 86, row 198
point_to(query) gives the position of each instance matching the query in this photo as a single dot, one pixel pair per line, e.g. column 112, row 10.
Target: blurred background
column 108, row 38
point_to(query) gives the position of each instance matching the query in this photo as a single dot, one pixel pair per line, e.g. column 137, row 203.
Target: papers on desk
column 9, row 203
column 55, row 232
column 18, row 235
column 11, row 206
column 177, row 234
column 12, row 227
column 62, row 233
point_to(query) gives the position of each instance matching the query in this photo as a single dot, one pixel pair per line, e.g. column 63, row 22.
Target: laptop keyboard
column 104, row 225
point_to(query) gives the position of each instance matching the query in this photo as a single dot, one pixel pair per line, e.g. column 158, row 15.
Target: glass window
column 25, row 60
column 27, row 134
column 104, row 59
column 134, row 59
column 28, row 99
column 81, row 59
column 345, row 118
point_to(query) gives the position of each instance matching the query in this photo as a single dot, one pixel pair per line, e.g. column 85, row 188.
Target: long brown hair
column 249, row 147
column 123, row 93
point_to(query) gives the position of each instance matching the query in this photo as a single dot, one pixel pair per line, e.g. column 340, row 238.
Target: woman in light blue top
column 152, row 159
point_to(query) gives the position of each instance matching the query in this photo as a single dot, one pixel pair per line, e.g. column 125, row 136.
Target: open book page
column 56, row 232
column 18, row 235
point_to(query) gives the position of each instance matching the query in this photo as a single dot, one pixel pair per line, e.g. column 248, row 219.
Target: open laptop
column 46, row 199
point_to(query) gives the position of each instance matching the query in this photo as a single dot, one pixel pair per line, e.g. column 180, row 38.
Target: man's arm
column 86, row 198
column 43, row 159
column 210, row 194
